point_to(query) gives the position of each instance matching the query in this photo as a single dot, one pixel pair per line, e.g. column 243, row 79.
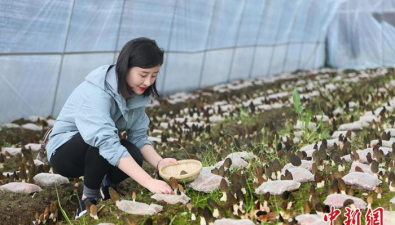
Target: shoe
column 81, row 210
column 105, row 194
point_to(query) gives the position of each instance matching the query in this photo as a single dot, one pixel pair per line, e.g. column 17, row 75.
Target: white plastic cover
column 47, row 47
column 361, row 34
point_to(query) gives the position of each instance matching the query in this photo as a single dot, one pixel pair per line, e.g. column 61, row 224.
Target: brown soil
column 21, row 208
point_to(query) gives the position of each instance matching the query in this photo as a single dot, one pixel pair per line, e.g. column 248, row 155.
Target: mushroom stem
column 224, row 197
column 202, row 221
column 216, row 213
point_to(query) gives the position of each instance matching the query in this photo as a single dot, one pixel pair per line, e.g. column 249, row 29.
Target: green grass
column 66, row 217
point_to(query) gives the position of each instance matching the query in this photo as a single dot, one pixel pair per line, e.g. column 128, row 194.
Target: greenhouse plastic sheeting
column 362, row 34
column 47, row 47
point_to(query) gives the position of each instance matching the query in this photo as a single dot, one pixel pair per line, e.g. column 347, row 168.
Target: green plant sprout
column 305, row 116
column 60, row 206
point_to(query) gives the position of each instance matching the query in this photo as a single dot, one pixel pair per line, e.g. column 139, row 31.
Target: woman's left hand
column 166, row 161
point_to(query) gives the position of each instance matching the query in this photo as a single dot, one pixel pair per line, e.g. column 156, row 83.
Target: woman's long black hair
column 142, row 52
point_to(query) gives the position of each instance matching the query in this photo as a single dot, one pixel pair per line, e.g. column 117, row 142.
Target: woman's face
column 139, row 79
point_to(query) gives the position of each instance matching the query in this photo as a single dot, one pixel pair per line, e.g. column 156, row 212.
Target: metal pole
column 111, row 51
column 304, row 34
column 119, row 31
column 207, row 41
column 272, row 49
column 236, row 41
column 168, row 47
column 61, row 59
column 257, row 38
column 289, row 35
column 382, row 36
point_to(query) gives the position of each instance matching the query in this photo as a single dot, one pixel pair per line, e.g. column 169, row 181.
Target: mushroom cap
column 214, row 171
column 227, row 173
column 113, row 194
column 258, row 170
column 164, row 220
column 319, row 207
column 88, row 206
column 208, row 215
column 200, row 211
column 261, row 216
column 266, row 197
column 348, row 202
column 223, row 186
column 194, row 210
column 378, row 189
column 318, row 177
column 346, row 145
column 286, row 195
column 358, row 169
column 336, row 158
column 314, row 168
column 348, row 134
column 370, row 199
column 227, row 163
column 240, row 195
column 355, row 155
column 276, row 165
column 322, row 154
column 180, row 188
column 335, row 185
column 93, row 210
column 221, row 171
column 312, row 189
column 53, row 207
column 231, row 198
column 148, row 221
column 341, row 184
column 307, row 207
column 212, row 203
column 173, row 183
column 374, row 166
column 46, row 210
column 134, row 195
column 295, row 160
column 324, row 145
column 288, row 175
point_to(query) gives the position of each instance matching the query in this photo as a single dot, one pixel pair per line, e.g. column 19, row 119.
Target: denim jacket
column 100, row 113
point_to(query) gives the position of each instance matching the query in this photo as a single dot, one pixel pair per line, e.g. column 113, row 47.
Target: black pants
column 75, row 158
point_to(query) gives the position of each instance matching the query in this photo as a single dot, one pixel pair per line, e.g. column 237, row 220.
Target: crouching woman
column 85, row 138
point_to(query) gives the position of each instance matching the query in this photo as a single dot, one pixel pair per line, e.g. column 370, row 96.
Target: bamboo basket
column 191, row 166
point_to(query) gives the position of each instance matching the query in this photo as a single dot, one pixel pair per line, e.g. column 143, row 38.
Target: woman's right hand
column 158, row 187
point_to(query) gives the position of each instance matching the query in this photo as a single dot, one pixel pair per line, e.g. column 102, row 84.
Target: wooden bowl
column 190, row 166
